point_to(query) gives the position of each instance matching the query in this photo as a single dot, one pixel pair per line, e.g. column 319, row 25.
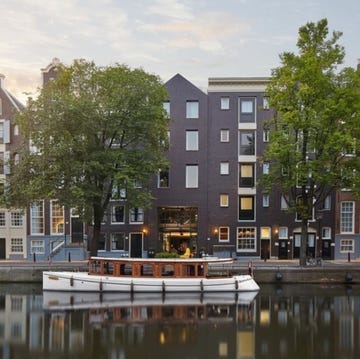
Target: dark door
column 265, row 248
column 135, row 245
column 326, row 249
column 77, row 230
column 2, row 248
column 283, row 249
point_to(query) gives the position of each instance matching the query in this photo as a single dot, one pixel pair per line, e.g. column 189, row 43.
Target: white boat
column 131, row 275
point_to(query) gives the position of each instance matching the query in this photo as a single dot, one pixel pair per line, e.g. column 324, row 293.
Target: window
column 246, row 208
column 166, row 106
column 117, row 241
column 224, row 135
column 163, row 178
column 246, row 105
column 283, row 232
column 37, row 217
column 136, row 215
column 224, row 200
column 224, row 168
column 16, row 130
column 246, row 175
column 17, row 245
column 326, row 233
column 191, row 176
column 347, row 217
column 37, row 246
column 266, row 105
column 266, row 135
column 117, row 214
column 327, row 202
column 224, row 234
column 192, row 109
column 246, row 239
column 284, row 202
column 16, row 219
column 225, row 103
column 346, row 245
column 265, row 232
column 247, row 143
column 247, row 113
column 57, row 218
column 265, row 200
column 266, row 168
column 192, row 140
column 2, row 219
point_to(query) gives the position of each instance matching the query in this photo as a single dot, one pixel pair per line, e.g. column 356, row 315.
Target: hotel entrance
column 178, row 229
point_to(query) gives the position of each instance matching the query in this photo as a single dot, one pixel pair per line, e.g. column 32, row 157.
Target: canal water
column 289, row 321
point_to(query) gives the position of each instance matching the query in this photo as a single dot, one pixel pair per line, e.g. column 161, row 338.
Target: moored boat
column 131, row 275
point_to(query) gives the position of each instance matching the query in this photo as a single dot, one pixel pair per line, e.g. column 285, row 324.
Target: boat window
column 95, row 267
column 147, row 270
column 108, row 268
column 201, row 271
column 167, row 270
column 189, row 270
column 125, row 269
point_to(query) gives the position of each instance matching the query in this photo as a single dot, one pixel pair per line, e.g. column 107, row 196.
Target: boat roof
column 164, row 260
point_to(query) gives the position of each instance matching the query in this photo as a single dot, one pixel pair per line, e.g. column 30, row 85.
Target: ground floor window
column 224, row 234
column 347, row 245
column 117, row 241
column 37, row 246
column 17, row 245
column 246, row 239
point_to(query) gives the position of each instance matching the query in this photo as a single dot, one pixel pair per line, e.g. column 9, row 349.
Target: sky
column 196, row 38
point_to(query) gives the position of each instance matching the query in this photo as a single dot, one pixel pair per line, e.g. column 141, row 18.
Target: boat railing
column 148, row 268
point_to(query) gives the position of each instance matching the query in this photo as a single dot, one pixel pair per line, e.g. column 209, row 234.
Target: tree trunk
column 303, row 243
column 94, row 243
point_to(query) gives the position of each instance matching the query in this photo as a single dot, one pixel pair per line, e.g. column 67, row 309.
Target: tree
column 93, row 132
column 314, row 133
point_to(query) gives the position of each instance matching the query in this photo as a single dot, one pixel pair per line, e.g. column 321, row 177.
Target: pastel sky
column 197, row 38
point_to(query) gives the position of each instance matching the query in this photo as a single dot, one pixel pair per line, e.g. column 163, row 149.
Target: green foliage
column 314, row 134
column 94, row 129
column 166, row 255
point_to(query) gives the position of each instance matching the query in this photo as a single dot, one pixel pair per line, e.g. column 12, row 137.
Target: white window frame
column 113, row 214
column 347, row 245
column 224, row 168
column 114, row 240
column 139, row 215
column 266, row 135
column 17, row 245
column 192, row 176
column 266, row 200
column 225, row 103
column 192, row 140
column 166, row 107
column 246, row 234
column 16, row 219
column 224, row 234
column 39, row 218
column 326, row 233
column 266, row 168
column 352, row 216
column 283, row 232
column 57, row 218
column 265, row 232
column 224, row 135
column 37, row 246
column 224, row 200
column 192, row 109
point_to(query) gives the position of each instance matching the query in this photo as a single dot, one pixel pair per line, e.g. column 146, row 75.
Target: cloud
column 171, row 8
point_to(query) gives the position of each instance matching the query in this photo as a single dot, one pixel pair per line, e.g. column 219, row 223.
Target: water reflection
column 281, row 322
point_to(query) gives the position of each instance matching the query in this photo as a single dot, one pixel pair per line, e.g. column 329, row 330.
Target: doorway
column 265, row 249
column 2, row 248
column 136, row 245
column 283, row 249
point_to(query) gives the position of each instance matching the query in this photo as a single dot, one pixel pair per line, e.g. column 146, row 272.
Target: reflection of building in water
column 318, row 326
column 12, row 319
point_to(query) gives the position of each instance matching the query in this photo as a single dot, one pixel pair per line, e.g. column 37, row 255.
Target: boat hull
column 83, row 282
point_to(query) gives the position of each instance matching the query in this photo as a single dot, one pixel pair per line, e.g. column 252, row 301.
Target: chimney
column 2, row 78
